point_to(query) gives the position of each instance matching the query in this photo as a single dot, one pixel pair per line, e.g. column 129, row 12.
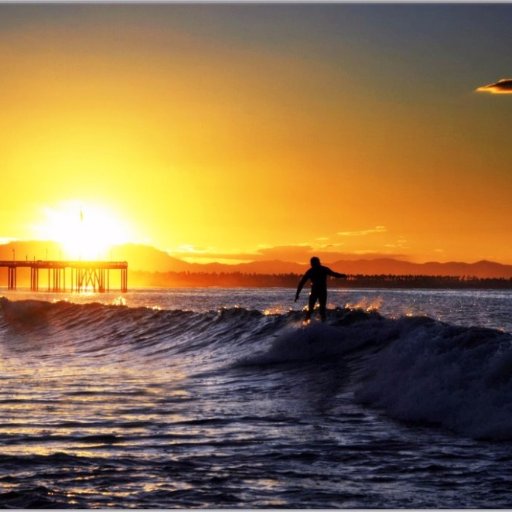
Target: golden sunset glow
column 217, row 133
column 84, row 231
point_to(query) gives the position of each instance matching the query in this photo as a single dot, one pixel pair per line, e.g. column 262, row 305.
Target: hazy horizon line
column 241, row 258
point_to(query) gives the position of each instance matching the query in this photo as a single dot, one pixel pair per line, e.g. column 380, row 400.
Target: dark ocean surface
column 215, row 398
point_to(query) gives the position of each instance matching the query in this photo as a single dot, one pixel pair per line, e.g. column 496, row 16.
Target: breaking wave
column 413, row 369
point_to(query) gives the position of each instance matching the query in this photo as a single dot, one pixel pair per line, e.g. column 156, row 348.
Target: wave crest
column 414, row 369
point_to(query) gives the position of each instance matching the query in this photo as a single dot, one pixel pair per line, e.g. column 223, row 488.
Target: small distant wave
column 414, row 369
column 33, row 497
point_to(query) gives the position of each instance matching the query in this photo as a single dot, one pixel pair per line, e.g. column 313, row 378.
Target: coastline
column 290, row 280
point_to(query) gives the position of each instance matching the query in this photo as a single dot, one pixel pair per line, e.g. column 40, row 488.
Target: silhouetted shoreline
column 238, row 279
column 143, row 279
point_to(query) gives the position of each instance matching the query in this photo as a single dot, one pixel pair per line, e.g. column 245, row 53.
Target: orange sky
column 208, row 129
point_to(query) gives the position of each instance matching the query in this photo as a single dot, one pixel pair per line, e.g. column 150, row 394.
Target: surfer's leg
column 322, row 298
column 311, row 304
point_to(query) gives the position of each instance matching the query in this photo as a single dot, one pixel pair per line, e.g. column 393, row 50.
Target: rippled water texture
column 221, row 398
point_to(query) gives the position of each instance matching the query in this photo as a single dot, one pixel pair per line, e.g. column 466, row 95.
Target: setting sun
column 84, row 231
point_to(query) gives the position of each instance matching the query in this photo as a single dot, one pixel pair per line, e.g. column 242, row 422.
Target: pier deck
column 82, row 275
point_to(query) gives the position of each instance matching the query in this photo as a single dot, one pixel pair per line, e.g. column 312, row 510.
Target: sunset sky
column 222, row 131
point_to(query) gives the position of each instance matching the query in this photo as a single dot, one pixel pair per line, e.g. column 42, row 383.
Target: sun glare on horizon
column 85, row 231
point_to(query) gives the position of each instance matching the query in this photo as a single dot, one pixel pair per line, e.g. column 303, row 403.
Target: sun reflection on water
column 367, row 304
column 276, row 310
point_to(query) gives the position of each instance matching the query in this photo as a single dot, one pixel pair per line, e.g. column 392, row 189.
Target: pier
column 78, row 275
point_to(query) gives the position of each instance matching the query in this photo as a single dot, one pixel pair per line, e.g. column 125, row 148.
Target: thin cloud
column 363, row 232
column 298, row 253
column 503, row 86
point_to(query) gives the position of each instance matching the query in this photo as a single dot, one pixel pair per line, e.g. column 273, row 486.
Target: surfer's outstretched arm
column 337, row 274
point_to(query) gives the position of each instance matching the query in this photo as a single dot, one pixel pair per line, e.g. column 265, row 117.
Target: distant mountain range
column 149, row 259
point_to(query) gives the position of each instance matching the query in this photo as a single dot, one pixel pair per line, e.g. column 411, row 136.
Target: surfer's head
column 315, row 261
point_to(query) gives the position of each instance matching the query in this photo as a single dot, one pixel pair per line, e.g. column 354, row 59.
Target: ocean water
column 215, row 398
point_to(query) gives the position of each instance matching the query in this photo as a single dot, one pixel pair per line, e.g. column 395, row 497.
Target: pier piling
column 83, row 275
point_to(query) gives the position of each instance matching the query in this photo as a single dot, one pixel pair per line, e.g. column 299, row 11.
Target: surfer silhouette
column 317, row 274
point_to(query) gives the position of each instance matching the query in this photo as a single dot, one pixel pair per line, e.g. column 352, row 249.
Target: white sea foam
column 460, row 378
